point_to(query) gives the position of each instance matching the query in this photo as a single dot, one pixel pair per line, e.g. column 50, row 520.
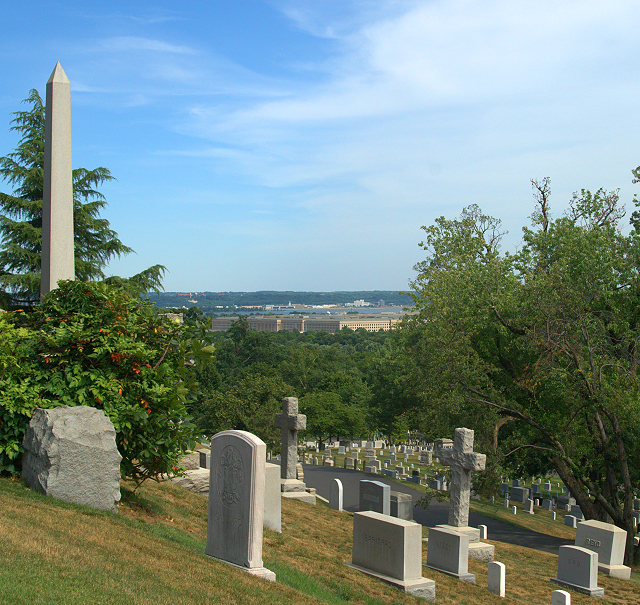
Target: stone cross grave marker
column 462, row 460
column 290, row 422
column 236, row 501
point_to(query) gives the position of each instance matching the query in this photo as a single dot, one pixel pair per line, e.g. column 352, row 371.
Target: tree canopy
column 90, row 343
column 95, row 243
column 539, row 349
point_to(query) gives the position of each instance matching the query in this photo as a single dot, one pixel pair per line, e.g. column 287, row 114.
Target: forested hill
column 268, row 297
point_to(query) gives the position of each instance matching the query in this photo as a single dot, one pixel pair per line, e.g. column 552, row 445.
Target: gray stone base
column 261, row 572
column 481, row 551
column 302, row 496
column 292, row 485
column 615, row 571
column 596, row 592
column 469, row 578
column 195, row 481
column 422, row 588
column 472, row 532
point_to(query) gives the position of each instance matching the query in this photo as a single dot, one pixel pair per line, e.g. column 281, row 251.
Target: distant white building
column 358, row 303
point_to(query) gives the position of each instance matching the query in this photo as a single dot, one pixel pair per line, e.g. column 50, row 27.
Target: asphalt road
column 320, row 477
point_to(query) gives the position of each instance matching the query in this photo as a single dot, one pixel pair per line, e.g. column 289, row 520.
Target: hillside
column 52, row 552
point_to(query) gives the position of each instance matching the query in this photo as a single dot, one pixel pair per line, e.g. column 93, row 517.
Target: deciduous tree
column 542, row 344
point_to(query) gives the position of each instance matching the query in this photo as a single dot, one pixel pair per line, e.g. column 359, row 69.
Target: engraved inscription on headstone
column 236, row 501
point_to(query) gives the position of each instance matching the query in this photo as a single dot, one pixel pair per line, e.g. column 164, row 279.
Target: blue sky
column 300, row 145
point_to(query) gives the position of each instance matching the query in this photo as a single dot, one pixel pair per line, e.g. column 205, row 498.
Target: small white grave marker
column 495, row 578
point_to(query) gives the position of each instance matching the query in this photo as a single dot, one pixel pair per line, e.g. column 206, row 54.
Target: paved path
column 320, row 477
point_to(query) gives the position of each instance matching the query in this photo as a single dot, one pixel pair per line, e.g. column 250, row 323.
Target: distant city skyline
column 300, row 145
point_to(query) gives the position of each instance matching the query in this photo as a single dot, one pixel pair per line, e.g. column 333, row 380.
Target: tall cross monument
column 57, row 204
column 291, row 422
column 462, row 460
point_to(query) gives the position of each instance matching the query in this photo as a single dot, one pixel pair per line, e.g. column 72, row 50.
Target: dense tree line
column 331, row 374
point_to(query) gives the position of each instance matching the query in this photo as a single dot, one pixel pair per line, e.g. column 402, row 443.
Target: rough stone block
column 71, row 454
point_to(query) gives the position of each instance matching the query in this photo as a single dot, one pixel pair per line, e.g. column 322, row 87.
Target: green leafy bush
column 92, row 344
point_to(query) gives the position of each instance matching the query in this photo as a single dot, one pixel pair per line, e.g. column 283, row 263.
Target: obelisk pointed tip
column 58, row 75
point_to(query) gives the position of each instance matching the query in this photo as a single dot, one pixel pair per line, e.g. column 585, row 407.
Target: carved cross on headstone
column 290, row 422
column 462, row 460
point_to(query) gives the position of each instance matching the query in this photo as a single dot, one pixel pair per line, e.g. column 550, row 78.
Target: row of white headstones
column 383, row 546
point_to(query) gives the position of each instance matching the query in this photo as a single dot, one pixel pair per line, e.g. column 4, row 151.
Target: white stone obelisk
column 57, row 204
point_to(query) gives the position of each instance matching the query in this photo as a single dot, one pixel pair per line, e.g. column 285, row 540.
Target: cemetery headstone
column 391, row 549
column 528, row 506
column 578, row 570
column 609, row 542
column 70, row 453
column 448, row 552
column 571, row 521
column 576, row 511
column 496, row 578
column 560, row 597
column 236, row 501
column 375, row 496
column 291, row 422
column 462, row 460
column 336, row 495
column 401, row 506
column 205, row 459
column 520, row 494
column 272, row 500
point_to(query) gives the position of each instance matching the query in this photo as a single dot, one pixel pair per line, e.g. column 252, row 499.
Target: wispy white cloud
column 133, row 43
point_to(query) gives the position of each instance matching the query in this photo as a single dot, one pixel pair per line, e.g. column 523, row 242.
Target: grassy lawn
column 153, row 552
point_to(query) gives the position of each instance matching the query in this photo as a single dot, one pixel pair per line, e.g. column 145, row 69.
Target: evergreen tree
column 21, row 217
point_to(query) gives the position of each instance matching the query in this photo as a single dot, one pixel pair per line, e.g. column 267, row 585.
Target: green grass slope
column 52, row 552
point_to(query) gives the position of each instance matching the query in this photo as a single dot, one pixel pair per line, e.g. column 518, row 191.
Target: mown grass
column 153, row 552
